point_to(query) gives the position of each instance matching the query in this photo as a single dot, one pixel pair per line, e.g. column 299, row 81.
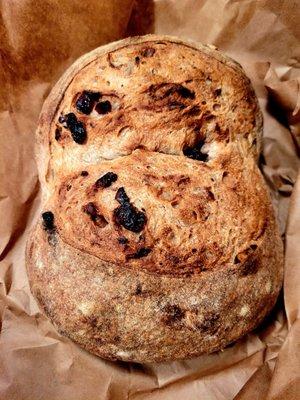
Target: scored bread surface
column 163, row 243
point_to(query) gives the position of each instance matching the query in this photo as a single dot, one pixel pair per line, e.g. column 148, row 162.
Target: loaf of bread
column 157, row 239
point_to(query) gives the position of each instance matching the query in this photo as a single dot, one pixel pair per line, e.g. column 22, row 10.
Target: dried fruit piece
column 92, row 211
column 100, row 221
column 130, row 218
column 86, row 101
column 122, row 240
column 106, row 180
column 57, row 134
column 195, row 152
column 121, row 196
column 148, row 52
column 103, row 107
column 127, row 215
column 48, row 220
column 142, row 252
column 76, row 128
column 62, row 119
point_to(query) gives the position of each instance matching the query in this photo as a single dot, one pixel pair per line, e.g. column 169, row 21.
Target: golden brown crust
column 159, row 206
column 185, row 231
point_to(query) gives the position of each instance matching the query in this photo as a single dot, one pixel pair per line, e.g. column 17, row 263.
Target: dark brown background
column 39, row 39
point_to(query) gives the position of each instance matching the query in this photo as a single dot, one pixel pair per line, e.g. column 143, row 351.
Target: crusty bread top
column 179, row 126
column 157, row 239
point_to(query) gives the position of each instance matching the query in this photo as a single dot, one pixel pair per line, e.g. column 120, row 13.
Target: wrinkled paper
column 39, row 39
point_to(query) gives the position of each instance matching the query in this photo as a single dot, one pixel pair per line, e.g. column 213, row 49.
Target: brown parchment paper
column 38, row 40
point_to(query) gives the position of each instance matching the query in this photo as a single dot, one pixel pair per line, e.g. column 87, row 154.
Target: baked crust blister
column 162, row 242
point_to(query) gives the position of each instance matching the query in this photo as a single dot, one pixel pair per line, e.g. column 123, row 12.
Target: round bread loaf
column 157, row 239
